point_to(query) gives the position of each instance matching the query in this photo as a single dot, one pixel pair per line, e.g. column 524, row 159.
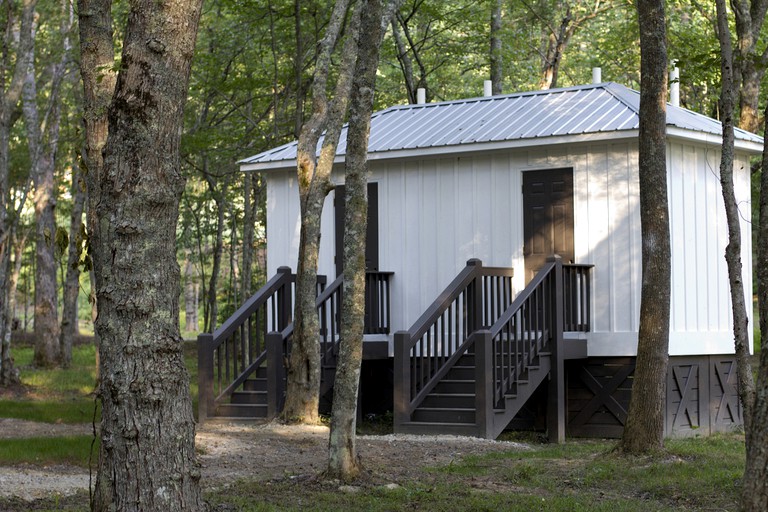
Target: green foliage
column 76, row 382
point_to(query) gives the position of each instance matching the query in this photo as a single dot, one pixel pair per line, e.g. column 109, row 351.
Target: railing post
column 284, row 300
column 556, row 399
column 475, row 296
column 484, row 383
column 275, row 374
column 402, row 377
column 204, row 376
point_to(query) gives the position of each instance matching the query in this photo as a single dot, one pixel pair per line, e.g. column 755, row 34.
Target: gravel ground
column 245, row 450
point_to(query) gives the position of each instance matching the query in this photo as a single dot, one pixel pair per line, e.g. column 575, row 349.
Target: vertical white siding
column 435, row 214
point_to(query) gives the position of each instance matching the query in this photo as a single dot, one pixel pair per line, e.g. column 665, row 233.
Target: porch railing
column 577, row 297
column 425, row 353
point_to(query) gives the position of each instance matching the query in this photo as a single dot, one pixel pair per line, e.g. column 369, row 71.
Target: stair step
column 258, row 384
column 452, row 386
column 432, row 428
column 461, row 373
column 443, row 400
column 242, row 410
column 446, row 415
column 249, row 397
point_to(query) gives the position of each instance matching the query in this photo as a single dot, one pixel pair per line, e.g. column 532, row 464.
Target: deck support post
column 275, row 374
column 484, row 383
column 402, row 378
column 284, row 302
column 475, row 298
column 204, row 376
column 556, row 398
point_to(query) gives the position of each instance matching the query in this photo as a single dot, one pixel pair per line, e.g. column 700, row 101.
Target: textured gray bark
column 219, row 194
column 343, row 461
column 190, row 295
column 147, row 458
column 302, row 396
column 733, row 249
column 496, row 53
column 249, row 220
column 69, row 327
column 14, row 66
column 750, row 65
column 644, row 429
column 754, row 497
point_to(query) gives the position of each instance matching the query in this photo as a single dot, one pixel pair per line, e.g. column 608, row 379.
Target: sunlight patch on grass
column 73, row 450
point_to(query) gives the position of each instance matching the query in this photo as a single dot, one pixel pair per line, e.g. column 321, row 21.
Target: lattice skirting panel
column 701, row 396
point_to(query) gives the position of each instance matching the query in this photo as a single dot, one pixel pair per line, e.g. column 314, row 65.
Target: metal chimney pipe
column 597, row 75
column 674, row 87
column 421, row 96
column 487, row 88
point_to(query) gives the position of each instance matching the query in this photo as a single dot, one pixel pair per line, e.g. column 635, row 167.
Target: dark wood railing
column 259, row 331
column 425, row 353
column 233, row 351
column 577, row 297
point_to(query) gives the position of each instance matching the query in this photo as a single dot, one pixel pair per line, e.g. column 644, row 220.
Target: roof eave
column 711, row 139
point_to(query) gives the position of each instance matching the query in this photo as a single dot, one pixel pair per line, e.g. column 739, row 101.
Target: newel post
column 402, row 377
column 204, row 376
column 284, row 299
column 556, row 400
column 475, row 296
column 484, row 383
column 275, row 374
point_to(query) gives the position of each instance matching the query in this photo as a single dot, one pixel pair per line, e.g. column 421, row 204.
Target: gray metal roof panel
column 580, row 110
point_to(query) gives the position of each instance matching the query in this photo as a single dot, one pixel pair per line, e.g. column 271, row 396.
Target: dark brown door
column 372, row 235
column 547, row 217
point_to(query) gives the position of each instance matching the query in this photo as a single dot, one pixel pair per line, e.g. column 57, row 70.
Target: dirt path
column 243, row 450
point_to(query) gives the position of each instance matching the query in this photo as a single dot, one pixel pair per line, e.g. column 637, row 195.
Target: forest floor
column 232, row 451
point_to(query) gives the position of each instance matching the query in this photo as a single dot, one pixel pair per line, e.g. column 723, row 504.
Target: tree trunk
column 249, row 221
column 733, row 249
column 219, row 196
column 497, row 69
column 302, row 396
column 343, row 461
column 190, row 298
column 8, row 373
column 69, row 327
column 10, row 94
column 754, row 495
column 147, row 459
column 644, row 430
column 404, row 59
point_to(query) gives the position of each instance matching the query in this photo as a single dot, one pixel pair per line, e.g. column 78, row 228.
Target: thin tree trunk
column 147, row 457
column 9, row 375
column 733, row 249
column 249, row 220
column 754, row 495
column 69, row 327
column 219, row 197
column 404, row 59
column 302, row 397
column 644, row 430
column 10, row 94
column 190, row 298
column 497, row 68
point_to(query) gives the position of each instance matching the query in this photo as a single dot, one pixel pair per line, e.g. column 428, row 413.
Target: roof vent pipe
column 487, row 88
column 674, row 87
column 597, row 75
column 421, row 96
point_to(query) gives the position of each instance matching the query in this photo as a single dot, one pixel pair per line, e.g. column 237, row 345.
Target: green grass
column 76, row 381
column 70, row 411
column 42, row 451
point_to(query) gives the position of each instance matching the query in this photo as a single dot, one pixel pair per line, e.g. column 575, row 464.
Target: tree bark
column 69, row 327
column 754, row 495
column 190, row 295
column 10, row 94
column 302, row 397
column 220, row 198
column 9, row 375
column 249, row 220
column 733, row 249
column 644, row 430
column 750, row 66
column 343, row 461
column 147, row 459
column 497, row 68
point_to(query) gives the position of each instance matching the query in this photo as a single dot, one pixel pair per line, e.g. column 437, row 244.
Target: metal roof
column 606, row 108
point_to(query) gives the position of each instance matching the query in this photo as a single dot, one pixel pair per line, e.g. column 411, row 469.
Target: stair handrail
column 237, row 368
column 534, row 323
column 466, row 294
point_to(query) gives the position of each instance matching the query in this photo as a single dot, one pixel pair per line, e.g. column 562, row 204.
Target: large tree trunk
column 147, row 460
column 69, row 327
column 302, row 397
column 644, row 430
column 754, row 496
column 733, row 249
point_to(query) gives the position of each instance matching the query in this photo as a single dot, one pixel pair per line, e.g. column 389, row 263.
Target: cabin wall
column 435, row 214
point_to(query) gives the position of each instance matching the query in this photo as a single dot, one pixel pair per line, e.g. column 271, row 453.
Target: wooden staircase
column 477, row 383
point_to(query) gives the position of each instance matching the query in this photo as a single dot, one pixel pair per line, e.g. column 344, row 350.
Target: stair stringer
column 513, row 403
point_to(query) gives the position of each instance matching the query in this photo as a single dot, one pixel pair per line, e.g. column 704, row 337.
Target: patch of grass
column 70, row 411
column 74, row 450
column 76, row 381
